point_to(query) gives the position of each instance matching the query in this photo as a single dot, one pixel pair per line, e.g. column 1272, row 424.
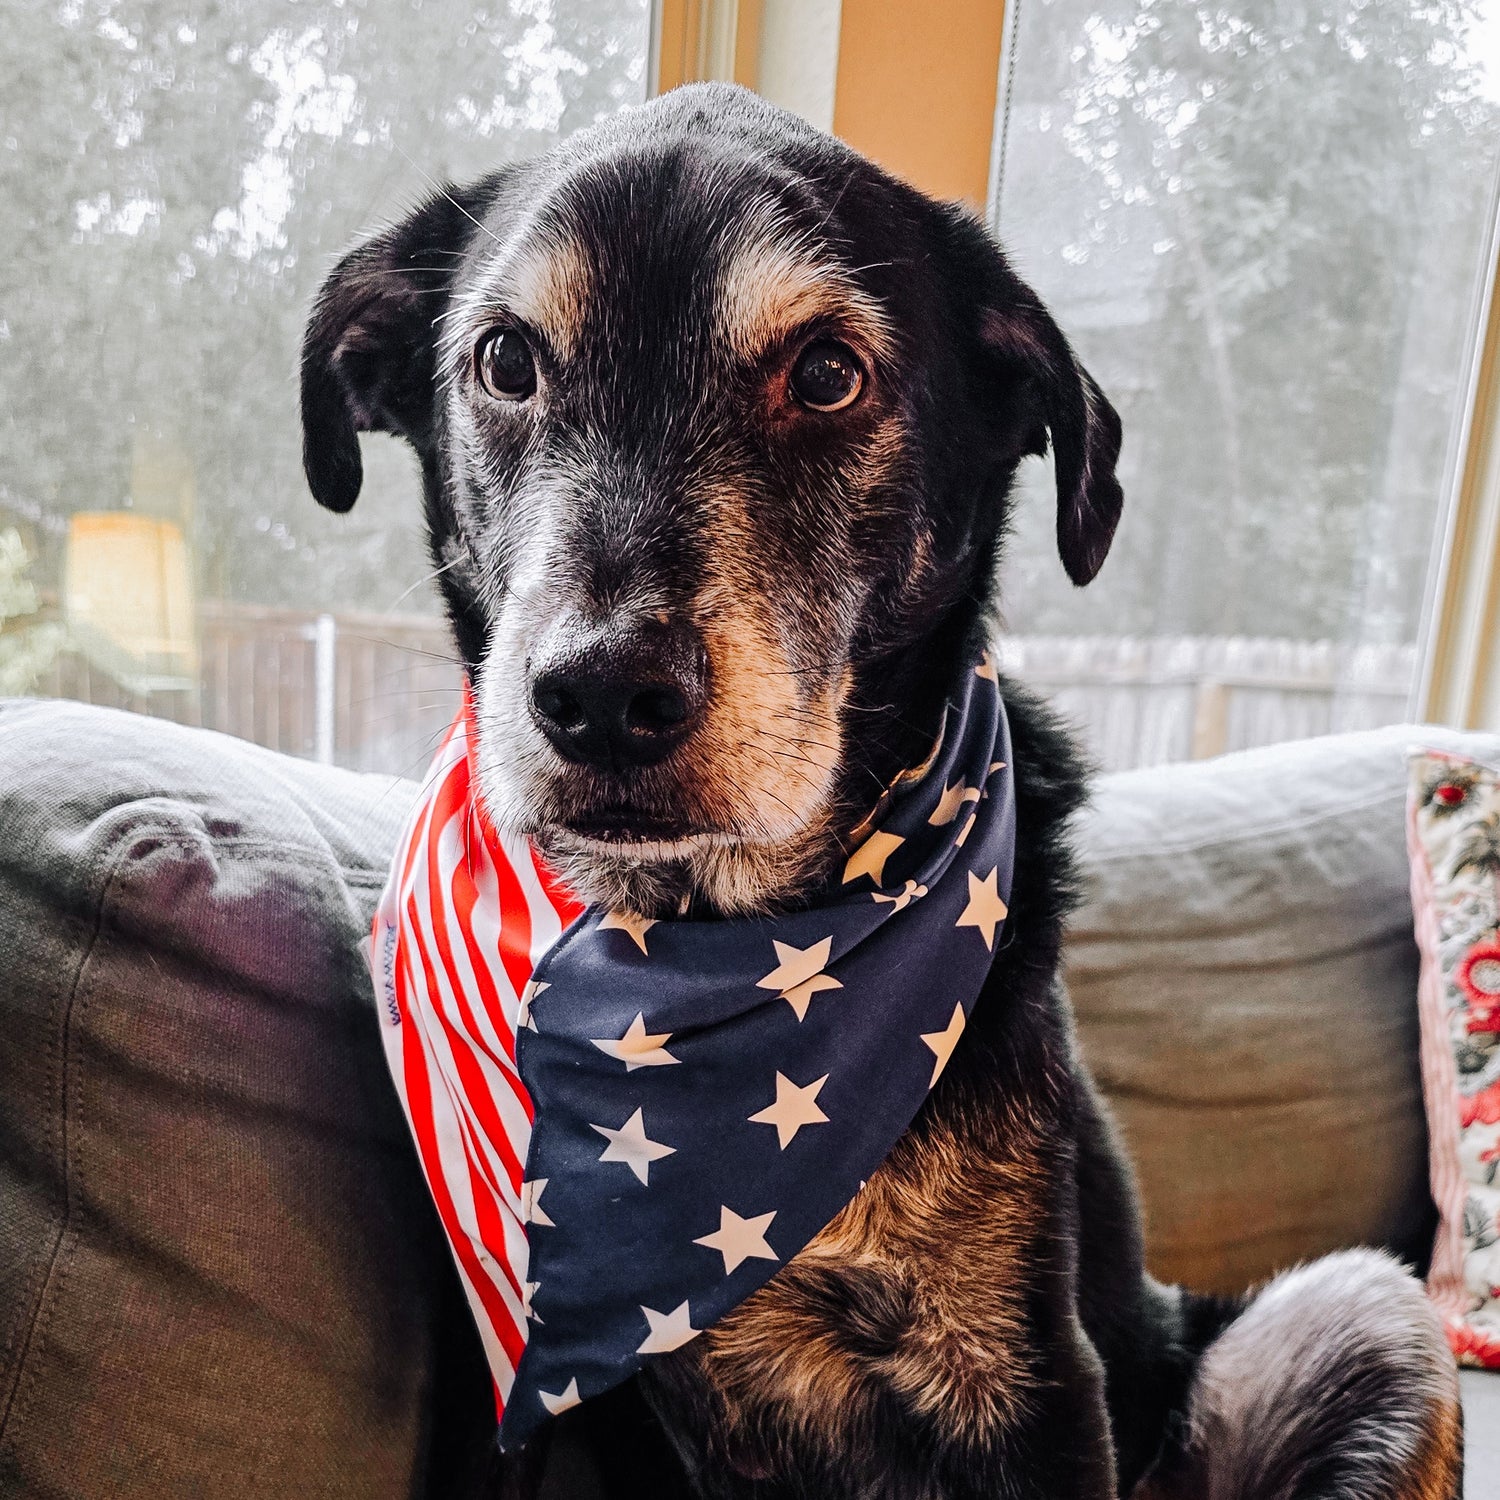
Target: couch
column 219, row 1272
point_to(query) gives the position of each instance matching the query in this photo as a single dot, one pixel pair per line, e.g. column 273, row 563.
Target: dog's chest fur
column 913, row 1303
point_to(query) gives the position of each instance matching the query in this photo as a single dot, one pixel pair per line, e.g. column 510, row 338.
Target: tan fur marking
column 1437, row 1473
column 772, row 285
column 545, row 282
column 548, row 285
column 949, row 1238
column 771, row 746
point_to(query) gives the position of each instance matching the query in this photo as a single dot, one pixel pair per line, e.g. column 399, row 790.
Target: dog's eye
column 506, row 368
column 827, row 376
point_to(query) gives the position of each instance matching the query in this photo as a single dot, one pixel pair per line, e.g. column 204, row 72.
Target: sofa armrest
column 1244, row 974
column 221, row 1272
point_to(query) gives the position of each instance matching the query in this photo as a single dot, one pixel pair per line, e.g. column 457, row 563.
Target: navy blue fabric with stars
column 709, row 1094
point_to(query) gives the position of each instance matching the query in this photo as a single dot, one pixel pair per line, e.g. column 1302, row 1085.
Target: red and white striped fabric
column 465, row 916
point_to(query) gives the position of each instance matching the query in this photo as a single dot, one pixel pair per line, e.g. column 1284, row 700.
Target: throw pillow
column 1454, row 840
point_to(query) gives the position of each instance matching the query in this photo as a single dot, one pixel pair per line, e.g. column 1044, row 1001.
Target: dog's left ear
column 1022, row 347
column 1084, row 427
column 369, row 352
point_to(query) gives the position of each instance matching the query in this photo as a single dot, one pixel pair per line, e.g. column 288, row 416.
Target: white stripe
column 456, row 1176
column 546, row 926
column 497, row 1075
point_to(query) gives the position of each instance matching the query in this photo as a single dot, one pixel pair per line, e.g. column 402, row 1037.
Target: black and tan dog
column 717, row 423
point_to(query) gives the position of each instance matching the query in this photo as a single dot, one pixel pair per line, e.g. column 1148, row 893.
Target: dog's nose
column 619, row 694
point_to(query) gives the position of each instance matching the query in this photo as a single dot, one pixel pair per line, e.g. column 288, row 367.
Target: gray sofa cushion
column 220, row 1269
column 219, row 1272
column 1244, row 974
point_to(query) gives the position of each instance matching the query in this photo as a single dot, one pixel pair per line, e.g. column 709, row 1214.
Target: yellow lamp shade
column 128, row 597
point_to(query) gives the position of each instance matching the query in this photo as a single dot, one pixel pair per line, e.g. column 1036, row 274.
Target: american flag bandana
column 628, row 1125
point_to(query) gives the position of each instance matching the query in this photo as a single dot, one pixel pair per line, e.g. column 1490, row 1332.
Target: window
column 176, row 179
column 1264, row 225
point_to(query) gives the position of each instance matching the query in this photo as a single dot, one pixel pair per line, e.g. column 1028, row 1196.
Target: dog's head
column 717, row 423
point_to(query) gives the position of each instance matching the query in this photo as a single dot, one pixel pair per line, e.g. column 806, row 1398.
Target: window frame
column 1459, row 676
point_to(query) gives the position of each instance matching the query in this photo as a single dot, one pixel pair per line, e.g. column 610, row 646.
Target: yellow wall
column 916, row 89
column 914, row 81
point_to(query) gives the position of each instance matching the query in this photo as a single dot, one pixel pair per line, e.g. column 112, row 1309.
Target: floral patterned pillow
column 1453, row 832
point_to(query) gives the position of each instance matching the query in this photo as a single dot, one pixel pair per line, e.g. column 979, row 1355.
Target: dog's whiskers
column 432, row 577
column 443, row 192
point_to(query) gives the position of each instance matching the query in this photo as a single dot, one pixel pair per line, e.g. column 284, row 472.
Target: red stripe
column 424, row 1129
column 515, row 923
column 420, row 831
column 515, row 914
column 471, row 1076
column 449, row 804
column 484, row 1190
column 453, row 800
column 464, row 893
column 567, row 906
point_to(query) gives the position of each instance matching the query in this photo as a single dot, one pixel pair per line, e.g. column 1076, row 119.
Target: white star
column 965, row 831
column 985, row 911
column 627, row 921
column 637, row 1048
column 529, row 1290
column 943, row 1042
column 532, row 1211
column 738, row 1239
column 795, row 1106
column 951, row 802
column 565, row 1400
column 528, row 995
column 798, row 974
column 908, row 893
column 631, row 1145
column 669, row 1331
column 869, row 859
column 986, row 668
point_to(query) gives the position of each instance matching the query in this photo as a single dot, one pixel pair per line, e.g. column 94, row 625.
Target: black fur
column 865, row 545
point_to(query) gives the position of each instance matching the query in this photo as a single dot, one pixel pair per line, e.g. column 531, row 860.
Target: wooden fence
column 1148, row 701
column 374, row 692
column 370, row 692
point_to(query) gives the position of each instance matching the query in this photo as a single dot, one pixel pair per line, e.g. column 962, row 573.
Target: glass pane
column 176, row 178
column 1263, row 225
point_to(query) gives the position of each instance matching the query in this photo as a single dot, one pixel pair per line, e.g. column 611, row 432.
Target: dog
column 717, row 425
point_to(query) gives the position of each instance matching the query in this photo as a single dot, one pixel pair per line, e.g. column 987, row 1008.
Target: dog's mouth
column 647, row 818
column 621, row 825
column 630, row 856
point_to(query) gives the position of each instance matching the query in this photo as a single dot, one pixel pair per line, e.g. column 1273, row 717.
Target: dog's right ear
column 368, row 355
